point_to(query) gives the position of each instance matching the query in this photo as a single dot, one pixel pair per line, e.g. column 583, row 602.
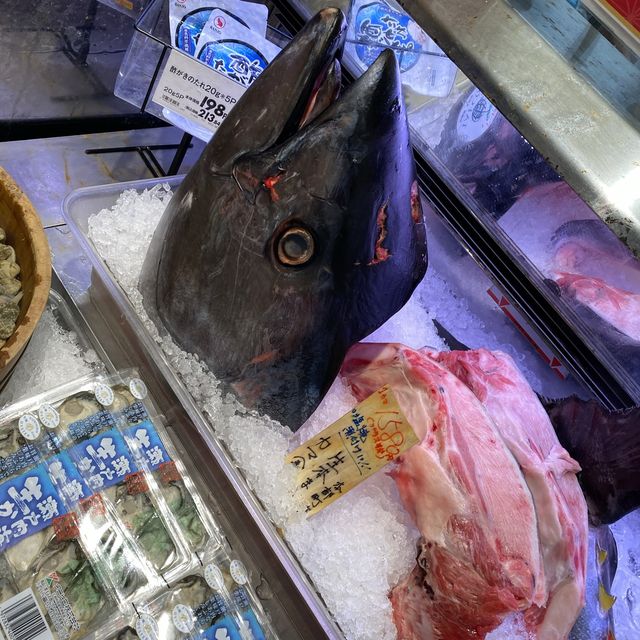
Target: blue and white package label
column 26, row 456
column 187, row 19
column 475, row 117
column 379, row 26
column 28, row 504
column 236, row 60
column 67, row 479
column 233, row 50
column 252, row 622
column 224, row 629
column 149, row 444
column 104, row 460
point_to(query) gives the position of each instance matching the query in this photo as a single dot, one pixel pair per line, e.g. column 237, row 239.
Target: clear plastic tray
column 107, row 352
column 107, row 309
column 99, row 515
column 105, row 302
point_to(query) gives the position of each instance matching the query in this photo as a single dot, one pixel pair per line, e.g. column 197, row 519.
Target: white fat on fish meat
column 479, row 558
column 550, row 474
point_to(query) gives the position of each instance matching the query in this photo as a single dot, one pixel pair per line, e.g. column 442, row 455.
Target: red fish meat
column 549, row 472
column 479, row 558
column 621, row 309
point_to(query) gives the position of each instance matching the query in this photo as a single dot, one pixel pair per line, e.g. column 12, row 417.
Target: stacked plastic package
column 103, row 533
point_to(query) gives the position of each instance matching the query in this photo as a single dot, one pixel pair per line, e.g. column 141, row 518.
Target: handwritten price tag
column 370, row 436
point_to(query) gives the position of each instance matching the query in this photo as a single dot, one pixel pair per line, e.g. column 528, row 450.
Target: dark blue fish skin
column 607, row 447
column 341, row 192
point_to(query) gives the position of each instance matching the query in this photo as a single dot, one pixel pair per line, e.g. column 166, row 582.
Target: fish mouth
column 316, row 53
column 325, row 92
column 300, row 83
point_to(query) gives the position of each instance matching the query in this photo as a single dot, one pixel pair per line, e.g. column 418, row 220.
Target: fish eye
column 295, row 247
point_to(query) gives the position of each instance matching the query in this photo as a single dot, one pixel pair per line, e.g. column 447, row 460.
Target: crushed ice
column 368, row 520
column 52, row 357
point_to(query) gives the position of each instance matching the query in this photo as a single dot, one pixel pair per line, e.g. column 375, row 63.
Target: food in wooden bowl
column 25, row 272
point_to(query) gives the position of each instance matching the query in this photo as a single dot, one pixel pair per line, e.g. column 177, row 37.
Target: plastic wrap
column 212, row 601
column 97, row 512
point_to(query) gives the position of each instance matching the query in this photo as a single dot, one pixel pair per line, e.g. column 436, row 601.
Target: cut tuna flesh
column 480, row 554
column 576, row 248
column 589, row 248
column 549, row 472
column 621, row 309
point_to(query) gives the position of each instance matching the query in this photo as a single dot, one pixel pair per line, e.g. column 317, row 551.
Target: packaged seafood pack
column 374, row 26
column 96, row 509
column 213, row 601
column 230, row 37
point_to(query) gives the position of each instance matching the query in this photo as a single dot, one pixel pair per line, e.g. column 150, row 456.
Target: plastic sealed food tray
column 299, row 611
column 196, row 486
column 147, row 58
column 100, row 526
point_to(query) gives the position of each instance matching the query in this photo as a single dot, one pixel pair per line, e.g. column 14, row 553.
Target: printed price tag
column 200, row 94
column 362, row 442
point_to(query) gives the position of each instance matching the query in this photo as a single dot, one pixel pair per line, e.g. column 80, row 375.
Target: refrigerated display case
column 565, row 151
column 541, row 120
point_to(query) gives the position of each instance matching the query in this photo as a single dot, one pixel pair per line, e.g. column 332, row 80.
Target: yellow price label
column 369, row 437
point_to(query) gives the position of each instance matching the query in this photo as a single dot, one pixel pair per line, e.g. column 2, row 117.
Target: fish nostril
column 295, row 247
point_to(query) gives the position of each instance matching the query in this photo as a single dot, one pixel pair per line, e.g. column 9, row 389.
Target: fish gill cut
column 550, row 474
column 479, row 556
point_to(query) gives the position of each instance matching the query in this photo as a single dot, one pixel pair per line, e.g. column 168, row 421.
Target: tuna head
column 297, row 233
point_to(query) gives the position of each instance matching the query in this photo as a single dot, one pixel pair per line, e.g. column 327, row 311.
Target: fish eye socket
column 295, row 247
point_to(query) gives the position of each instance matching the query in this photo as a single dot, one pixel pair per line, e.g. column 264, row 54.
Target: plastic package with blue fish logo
column 187, row 19
column 378, row 24
column 233, row 50
column 96, row 509
column 227, row 35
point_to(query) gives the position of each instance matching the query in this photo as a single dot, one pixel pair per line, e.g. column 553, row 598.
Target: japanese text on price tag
column 363, row 441
column 195, row 91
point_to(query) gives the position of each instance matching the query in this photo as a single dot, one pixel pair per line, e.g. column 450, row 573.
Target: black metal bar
column 148, row 163
column 32, row 129
column 152, row 147
column 183, row 147
column 153, row 79
column 154, row 161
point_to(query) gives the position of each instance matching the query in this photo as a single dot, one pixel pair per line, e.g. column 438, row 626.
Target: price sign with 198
column 195, row 91
column 210, row 109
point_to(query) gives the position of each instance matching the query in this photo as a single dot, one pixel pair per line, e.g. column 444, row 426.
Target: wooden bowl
column 26, row 235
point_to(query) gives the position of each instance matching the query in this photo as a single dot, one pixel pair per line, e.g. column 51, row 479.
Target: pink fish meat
column 619, row 308
column 480, row 552
column 571, row 245
column 549, row 472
